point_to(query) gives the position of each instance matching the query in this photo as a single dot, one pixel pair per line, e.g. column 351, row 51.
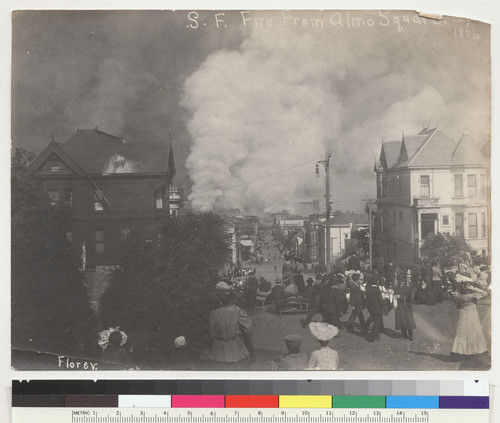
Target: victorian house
column 429, row 183
column 118, row 192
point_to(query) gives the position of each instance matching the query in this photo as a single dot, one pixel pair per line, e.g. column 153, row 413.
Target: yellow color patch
column 305, row 401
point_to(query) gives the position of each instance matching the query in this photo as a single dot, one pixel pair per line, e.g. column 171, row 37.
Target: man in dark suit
column 328, row 305
column 374, row 304
column 353, row 263
column 356, row 301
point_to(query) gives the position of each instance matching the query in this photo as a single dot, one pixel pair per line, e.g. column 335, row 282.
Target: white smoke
column 258, row 111
column 288, row 95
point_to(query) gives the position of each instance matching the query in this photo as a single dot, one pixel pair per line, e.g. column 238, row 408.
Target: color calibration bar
column 443, row 388
column 252, row 401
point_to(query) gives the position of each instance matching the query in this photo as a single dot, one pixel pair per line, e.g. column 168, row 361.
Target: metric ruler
column 245, row 415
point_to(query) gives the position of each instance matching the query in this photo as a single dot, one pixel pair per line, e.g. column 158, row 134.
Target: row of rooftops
column 431, row 148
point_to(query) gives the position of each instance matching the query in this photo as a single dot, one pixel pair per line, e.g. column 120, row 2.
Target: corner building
column 430, row 183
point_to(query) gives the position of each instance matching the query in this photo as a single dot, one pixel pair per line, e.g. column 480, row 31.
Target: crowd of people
column 365, row 297
column 349, row 297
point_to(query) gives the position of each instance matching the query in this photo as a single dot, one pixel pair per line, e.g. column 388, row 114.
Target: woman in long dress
column 469, row 339
column 405, row 322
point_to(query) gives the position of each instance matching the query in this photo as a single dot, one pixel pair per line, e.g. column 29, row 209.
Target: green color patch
column 359, row 401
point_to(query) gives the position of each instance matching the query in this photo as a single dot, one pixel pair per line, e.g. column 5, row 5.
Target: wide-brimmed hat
column 323, row 331
column 293, row 339
column 180, row 341
column 103, row 340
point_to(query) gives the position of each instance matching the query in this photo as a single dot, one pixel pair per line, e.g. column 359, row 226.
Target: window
column 482, row 186
column 99, row 240
column 68, row 197
column 471, row 185
column 53, row 194
column 459, row 187
column 394, row 218
column 472, row 223
column 125, row 234
column 98, row 200
column 400, row 216
column 385, row 220
column 159, row 198
column 483, row 225
column 459, row 224
column 424, row 186
column 54, row 165
column 446, row 220
column 384, row 186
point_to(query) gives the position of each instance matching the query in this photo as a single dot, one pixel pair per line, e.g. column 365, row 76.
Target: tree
column 161, row 293
column 447, row 249
column 50, row 307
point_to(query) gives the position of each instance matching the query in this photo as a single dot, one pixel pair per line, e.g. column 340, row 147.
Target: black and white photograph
column 257, row 190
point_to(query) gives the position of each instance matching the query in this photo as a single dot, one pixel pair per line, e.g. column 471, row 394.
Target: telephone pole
column 326, row 164
column 370, row 229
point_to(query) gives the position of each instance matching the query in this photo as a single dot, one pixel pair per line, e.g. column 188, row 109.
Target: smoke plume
column 287, row 95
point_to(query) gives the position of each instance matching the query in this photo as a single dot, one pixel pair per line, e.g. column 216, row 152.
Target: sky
column 252, row 99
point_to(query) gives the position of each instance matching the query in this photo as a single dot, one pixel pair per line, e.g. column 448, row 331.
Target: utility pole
column 326, row 164
column 370, row 229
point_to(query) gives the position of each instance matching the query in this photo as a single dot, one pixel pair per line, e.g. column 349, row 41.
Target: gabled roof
column 467, row 152
column 409, row 146
column 389, row 153
column 486, row 150
column 98, row 153
column 51, row 151
column 429, row 148
column 435, row 151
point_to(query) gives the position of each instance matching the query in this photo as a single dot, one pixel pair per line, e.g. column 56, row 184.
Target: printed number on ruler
column 245, row 415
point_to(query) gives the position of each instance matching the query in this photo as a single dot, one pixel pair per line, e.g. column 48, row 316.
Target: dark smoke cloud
column 243, row 102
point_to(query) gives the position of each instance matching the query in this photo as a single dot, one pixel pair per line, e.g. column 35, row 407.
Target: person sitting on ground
column 294, row 359
column 264, row 285
column 325, row 358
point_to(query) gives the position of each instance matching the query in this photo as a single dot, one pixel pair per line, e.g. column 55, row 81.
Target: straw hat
column 323, row 331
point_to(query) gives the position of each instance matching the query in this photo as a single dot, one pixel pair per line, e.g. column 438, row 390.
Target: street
column 433, row 338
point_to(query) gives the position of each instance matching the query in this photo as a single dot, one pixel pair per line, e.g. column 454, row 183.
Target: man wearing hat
column 294, row 359
column 374, row 304
column 356, row 301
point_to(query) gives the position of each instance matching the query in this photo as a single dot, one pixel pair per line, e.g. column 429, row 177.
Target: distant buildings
column 175, row 200
column 305, row 208
column 309, row 234
column 117, row 191
column 429, row 183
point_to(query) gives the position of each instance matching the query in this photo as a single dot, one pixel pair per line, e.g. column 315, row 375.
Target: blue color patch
column 412, row 402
